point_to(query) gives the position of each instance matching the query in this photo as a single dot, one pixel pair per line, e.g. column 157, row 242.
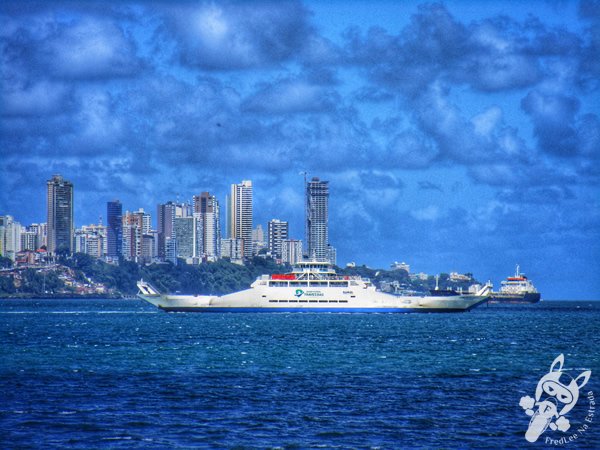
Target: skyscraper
column 207, row 207
column 60, row 215
column 10, row 237
column 291, row 251
column 135, row 225
column 239, row 215
column 165, row 217
column 188, row 232
column 258, row 239
column 166, row 214
column 278, row 232
column 317, row 217
column 114, row 214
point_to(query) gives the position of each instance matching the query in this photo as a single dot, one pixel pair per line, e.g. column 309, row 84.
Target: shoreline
column 68, row 297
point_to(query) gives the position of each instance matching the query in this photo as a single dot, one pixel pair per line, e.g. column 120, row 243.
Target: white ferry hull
column 285, row 300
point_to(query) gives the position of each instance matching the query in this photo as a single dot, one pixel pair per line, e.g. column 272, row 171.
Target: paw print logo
column 555, row 395
column 527, row 403
column 562, row 423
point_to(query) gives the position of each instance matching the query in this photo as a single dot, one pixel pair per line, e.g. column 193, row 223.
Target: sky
column 456, row 136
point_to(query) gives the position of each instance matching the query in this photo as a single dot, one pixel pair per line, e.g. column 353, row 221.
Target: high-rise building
column 40, row 230
column 239, row 215
column 60, row 215
column 148, row 247
column 188, row 234
column 258, row 240
column 114, row 219
column 165, row 217
column 166, row 214
column 232, row 249
column 135, row 226
column 317, row 216
column 29, row 240
column 278, row 232
column 91, row 242
column 91, row 239
column 291, row 251
column 331, row 254
column 207, row 207
column 10, row 237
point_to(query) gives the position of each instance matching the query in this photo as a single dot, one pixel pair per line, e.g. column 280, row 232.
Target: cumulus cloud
column 496, row 59
column 89, row 48
column 237, row 35
column 292, row 96
column 84, row 47
column 559, row 128
column 40, row 98
column 410, row 150
column 553, row 116
column 428, row 185
column 429, row 213
column 537, row 195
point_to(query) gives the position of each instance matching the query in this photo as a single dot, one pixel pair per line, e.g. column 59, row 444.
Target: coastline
column 66, row 296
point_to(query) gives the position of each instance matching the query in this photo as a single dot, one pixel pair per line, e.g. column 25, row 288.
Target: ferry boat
column 516, row 289
column 312, row 287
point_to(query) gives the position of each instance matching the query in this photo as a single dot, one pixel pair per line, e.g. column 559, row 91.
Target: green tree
column 5, row 263
column 7, row 285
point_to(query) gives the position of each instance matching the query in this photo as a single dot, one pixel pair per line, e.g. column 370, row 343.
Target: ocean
column 122, row 374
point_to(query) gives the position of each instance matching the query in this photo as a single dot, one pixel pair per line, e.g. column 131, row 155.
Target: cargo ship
column 312, row 287
column 516, row 289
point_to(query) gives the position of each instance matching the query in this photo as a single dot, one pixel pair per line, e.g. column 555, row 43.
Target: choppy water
column 108, row 373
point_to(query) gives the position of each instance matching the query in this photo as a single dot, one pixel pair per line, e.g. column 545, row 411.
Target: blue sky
column 456, row 136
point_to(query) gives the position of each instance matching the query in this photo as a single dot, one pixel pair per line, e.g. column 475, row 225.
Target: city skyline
column 458, row 135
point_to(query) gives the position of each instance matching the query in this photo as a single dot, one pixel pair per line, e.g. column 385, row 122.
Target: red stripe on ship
column 281, row 276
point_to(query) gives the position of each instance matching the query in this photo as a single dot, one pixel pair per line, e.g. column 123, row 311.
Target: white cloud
column 429, row 213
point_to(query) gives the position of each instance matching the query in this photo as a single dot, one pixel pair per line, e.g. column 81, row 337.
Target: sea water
column 122, row 374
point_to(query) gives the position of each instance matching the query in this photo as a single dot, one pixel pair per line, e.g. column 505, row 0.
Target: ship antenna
column 517, row 274
column 437, row 279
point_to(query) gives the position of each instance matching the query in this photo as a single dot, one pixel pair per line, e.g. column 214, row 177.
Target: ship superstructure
column 312, row 287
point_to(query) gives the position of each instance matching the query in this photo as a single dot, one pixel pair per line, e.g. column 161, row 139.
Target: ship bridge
column 312, row 274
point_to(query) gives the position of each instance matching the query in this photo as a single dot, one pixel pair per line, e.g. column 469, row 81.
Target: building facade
column 291, row 251
column 114, row 229
column 188, row 235
column 239, row 215
column 91, row 239
column 10, row 237
column 278, row 233
column 41, row 231
column 207, row 206
column 166, row 214
column 317, row 219
column 60, row 215
column 135, row 225
column 232, row 249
